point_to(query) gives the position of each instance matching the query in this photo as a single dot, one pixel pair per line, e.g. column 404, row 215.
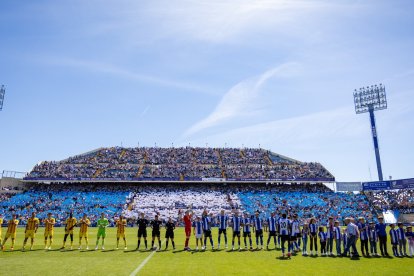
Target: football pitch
column 220, row 262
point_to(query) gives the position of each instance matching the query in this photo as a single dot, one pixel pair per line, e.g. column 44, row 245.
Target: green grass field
column 223, row 262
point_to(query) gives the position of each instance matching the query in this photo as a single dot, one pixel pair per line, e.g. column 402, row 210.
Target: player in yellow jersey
column 11, row 231
column 121, row 223
column 31, row 229
column 70, row 224
column 49, row 227
column 83, row 231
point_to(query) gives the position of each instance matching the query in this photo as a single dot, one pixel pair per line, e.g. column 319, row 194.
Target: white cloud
column 239, row 101
column 222, row 21
column 115, row 70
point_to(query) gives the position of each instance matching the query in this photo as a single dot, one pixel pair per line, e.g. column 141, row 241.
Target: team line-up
column 287, row 232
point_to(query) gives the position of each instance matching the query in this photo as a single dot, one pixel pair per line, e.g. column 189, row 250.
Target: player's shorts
column 284, row 238
column 156, row 234
column 247, row 234
column 69, row 232
column 272, row 233
column 49, row 233
column 187, row 232
column 298, row 235
column 83, row 235
column 169, row 235
column 259, row 232
column 101, row 233
column 207, row 233
column 142, row 233
column 199, row 236
column 293, row 238
column 10, row 235
column 222, row 231
column 29, row 234
column 120, row 235
column 236, row 234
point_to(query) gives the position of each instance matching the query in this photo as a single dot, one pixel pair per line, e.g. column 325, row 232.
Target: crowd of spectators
column 61, row 199
column 186, row 163
column 392, row 200
column 171, row 200
column 305, row 200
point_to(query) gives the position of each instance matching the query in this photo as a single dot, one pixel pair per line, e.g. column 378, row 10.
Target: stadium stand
column 177, row 164
column 63, row 199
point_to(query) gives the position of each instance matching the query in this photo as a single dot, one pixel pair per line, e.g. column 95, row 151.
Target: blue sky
column 280, row 74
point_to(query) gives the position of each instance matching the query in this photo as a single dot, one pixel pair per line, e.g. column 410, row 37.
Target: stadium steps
column 223, row 172
column 97, row 173
column 141, row 167
column 242, row 154
column 269, row 161
column 122, row 154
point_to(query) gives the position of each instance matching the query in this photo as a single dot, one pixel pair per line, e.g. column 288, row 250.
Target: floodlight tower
column 2, row 92
column 370, row 99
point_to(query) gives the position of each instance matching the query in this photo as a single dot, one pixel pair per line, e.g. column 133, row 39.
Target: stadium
column 209, row 137
column 168, row 182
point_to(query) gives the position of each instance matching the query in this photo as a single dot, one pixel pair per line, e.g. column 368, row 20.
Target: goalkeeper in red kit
column 187, row 227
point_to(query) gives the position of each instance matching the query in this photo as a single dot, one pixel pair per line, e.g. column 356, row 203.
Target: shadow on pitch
column 281, row 258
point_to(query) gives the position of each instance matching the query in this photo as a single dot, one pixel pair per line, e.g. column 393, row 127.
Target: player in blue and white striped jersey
column 394, row 239
column 295, row 234
column 338, row 238
column 247, row 224
column 207, row 230
column 363, row 235
column 222, row 221
column 198, row 231
column 235, row 225
column 271, row 222
column 284, row 232
column 313, row 229
column 259, row 231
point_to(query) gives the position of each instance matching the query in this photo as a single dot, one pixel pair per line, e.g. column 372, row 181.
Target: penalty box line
column 144, row 262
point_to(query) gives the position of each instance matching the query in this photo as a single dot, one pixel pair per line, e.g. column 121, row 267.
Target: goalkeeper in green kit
column 102, row 224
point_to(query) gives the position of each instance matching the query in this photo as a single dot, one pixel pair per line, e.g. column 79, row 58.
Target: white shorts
column 199, row 236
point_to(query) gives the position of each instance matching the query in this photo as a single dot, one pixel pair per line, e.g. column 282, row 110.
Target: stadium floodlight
column 370, row 99
column 2, row 92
